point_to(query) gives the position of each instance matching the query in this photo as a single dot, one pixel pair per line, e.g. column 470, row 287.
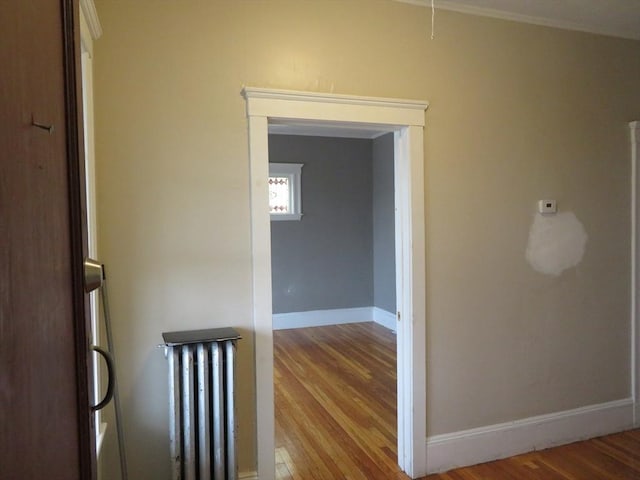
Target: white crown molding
column 317, row 107
column 522, row 18
column 91, row 16
column 293, row 95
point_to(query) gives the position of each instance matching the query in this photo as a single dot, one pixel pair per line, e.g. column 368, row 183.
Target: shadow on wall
column 148, row 400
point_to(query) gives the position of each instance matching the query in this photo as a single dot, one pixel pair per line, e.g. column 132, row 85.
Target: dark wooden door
column 45, row 420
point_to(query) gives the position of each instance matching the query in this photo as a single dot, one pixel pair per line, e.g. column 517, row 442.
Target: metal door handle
column 93, row 274
column 111, row 374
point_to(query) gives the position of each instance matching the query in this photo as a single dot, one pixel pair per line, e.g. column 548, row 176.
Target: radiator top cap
column 209, row 335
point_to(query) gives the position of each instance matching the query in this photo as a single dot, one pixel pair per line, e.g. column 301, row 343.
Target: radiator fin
column 202, row 408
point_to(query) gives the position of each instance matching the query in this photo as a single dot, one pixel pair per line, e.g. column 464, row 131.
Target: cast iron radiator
column 202, row 431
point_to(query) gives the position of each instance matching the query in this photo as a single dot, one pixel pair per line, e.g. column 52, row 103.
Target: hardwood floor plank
column 613, row 457
column 335, row 399
column 341, row 380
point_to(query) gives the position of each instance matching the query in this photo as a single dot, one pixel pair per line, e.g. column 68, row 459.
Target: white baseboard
column 248, row 476
column 484, row 444
column 384, row 318
column 319, row 318
column 335, row 316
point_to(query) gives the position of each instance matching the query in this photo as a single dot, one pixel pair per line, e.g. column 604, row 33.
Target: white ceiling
column 617, row 18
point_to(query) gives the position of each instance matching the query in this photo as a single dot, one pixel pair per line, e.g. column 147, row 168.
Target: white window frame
column 293, row 171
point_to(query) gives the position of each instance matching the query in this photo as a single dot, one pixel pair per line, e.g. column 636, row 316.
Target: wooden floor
column 335, row 400
column 614, row 457
column 335, row 405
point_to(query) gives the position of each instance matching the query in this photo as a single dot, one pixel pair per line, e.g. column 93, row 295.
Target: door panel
column 44, row 417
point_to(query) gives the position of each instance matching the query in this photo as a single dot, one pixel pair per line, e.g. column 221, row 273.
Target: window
column 284, row 191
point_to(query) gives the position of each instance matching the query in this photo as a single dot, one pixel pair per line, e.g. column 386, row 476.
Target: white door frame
column 406, row 119
column 635, row 271
column 90, row 30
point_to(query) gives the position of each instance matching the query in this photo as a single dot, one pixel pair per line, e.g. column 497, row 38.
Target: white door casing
column 635, row 271
column 406, row 119
column 90, row 30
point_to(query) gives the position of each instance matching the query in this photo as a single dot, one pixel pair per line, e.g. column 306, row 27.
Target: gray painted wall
column 384, row 260
column 324, row 261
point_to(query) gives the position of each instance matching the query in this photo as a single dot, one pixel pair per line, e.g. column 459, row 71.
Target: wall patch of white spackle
column 556, row 243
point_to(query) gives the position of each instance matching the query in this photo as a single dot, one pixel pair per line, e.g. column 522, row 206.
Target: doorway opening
column 334, row 303
column 405, row 118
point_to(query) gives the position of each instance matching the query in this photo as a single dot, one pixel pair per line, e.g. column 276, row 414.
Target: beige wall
column 518, row 113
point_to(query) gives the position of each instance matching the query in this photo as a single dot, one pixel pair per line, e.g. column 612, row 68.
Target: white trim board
column 635, row 269
column 503, row 440
column 248, row 476
column 406, row 119
column 384, row 318
column 90, row 14
column 334, row 316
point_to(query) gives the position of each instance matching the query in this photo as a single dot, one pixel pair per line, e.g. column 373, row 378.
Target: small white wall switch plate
column 547, row 207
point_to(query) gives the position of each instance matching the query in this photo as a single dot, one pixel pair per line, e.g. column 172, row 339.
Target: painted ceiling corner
column 616, row 18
